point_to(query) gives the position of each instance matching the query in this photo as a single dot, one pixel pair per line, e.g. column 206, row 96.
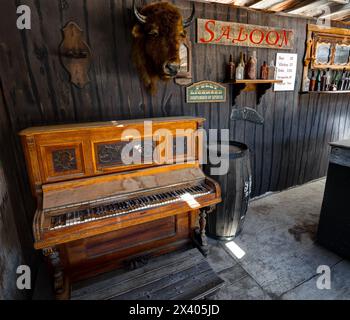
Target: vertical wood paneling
column 290, row 148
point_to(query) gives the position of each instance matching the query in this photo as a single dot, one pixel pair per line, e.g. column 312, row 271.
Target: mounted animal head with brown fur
column 158, row 35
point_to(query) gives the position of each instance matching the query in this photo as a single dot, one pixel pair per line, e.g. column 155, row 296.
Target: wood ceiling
column 325, row 9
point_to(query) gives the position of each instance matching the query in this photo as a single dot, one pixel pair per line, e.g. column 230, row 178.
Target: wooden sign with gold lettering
column 205, row 91
column 246, row 35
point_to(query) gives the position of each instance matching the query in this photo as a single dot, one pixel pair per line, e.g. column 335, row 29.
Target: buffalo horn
column 189, row 20
column 141, row 18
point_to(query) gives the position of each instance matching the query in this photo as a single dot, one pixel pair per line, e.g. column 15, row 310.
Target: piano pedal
column 136, row 263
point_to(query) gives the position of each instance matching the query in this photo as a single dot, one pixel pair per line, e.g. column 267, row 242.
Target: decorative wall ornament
column 247, row 114
column 75, row 54
column 167, row 29
column 184, row 77
column 326, row 48
column 205, row 91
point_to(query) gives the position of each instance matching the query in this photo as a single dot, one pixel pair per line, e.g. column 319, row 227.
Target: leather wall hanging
column 75, row 54
column 247, row 114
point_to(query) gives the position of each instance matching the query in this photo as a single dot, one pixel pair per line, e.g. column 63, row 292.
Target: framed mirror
column 326, row 48
column 341, row 56
column 184, row 65
column 184, row 77
column 323, row 53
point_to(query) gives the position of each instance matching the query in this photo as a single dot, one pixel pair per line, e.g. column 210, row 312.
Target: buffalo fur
column 157, row 42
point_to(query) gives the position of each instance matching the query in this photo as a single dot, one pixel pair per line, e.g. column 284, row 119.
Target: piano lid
column 92, row 190
column 102, row 125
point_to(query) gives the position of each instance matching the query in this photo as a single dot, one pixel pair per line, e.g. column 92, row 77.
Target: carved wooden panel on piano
column 95, row 213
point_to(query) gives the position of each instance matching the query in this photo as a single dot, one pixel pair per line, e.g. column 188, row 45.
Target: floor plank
column 184, row 275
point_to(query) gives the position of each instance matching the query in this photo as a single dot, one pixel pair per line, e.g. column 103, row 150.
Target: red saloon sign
column 246, row 35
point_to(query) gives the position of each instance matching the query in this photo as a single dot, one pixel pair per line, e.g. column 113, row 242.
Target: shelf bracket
column 261, row 90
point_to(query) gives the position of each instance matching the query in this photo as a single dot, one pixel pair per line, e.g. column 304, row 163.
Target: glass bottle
column 336, row 80
column 240, row 69
column 328, row 80
column 341, row 83
column 324, row 81
column 230, row 69
column 313, row 81
column 347, row 81
column 318, row 81
column 306, row 83
column 264, row 71
column 252, row 66
column 272, row 71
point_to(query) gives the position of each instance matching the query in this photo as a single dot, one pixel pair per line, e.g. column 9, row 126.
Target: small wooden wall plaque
column 75, row 54
column 205, row 91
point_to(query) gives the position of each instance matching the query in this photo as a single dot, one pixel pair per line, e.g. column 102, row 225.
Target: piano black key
column 144, row 200
column 53, row 222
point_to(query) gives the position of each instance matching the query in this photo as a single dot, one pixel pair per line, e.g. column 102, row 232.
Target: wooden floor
column 178, row 276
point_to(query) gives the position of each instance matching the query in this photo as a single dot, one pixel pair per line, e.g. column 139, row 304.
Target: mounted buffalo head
column 158, row 34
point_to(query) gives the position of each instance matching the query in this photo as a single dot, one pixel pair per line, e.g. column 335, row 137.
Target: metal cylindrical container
column 226, row 222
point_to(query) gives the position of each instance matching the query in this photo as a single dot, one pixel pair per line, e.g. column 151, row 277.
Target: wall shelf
column 260, row 86
column 325, row 92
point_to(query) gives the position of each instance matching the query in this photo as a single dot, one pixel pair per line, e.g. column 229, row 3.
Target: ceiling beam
column 244, row 2
column 337, row 13
column 309, row 6
column 265, row 4
column 286, row 4
column 314, row 8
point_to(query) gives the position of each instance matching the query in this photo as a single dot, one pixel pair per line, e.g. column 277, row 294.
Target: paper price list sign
column 286, row 69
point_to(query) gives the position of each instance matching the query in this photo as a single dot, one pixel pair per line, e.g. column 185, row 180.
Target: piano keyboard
column 129, row 206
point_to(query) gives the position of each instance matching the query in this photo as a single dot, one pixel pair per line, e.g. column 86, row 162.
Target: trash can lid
column 235, row 150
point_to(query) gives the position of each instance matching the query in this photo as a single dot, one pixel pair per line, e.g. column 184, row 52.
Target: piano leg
column 200, row 236
column 61, row 284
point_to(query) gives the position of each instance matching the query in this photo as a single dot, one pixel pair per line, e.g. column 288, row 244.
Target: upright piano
column 112, row 194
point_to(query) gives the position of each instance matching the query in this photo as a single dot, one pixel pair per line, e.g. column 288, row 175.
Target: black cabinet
column 334, row 226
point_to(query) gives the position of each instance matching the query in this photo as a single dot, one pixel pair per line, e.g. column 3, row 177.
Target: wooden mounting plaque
column 75, row 54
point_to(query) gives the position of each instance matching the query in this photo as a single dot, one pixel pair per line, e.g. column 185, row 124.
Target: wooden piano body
column 95, row 213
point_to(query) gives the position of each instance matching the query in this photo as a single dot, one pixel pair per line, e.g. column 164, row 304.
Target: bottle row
column 327, row 80
column 247, row 70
